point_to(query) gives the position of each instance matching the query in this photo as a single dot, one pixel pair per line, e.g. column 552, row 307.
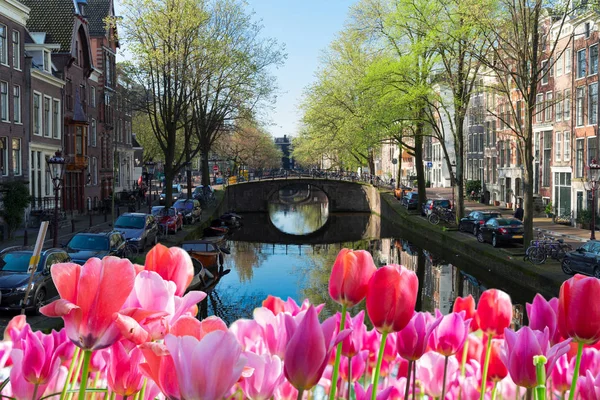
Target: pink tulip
column 304, row 368
column 90, row 295
column 430, row 371
column 359, row 366
column 37, row 353
column 172, row 264
column 216, row 363
column 543, row 314
column 160, row 368
column 285, row 391
column 590, row 361
column 20, row 388
column 411, row 342
column 450, row 333
column 14, row 327
column 519, row 350
column 475, row 350
column 350, row 276
column 561, row 375
column 250, row 335
column 123, row 373
column 508, row 389
column 354, row 342
column 266, row 377
column 275, row 304
column 588, row 387
column 361, row 394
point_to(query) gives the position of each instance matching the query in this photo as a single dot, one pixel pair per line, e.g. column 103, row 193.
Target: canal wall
column 478, row 259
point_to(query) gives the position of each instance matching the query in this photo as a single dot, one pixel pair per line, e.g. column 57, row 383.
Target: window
column 558, row 111
column 538, row 107
column 3, row 156
column 548, row 107
column 92, row 96
column 37, row 114
column 551, row 67
column 545, row 72
column 17, row 104
column 3, row 101
column 592, row 149
column 3, row 46
column 79, row 141
column 567, row 61
column 579, row 106
column 593, row 103
column 47, row 63
column 559, row 66
column 587, row 30
column 593, row 59
column 508, row 155
column 557, row 146
column 547, row 157
column 56, row 119
column 581, row 65
column 567, row 146
column 16, row 156
column 94, row 162
column 93, row 133
column 579, row 158
column 567, row 105
column 16, row 50
column 47, row 122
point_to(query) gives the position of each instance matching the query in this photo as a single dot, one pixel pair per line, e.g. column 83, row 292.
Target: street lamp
column 593, row 178
column 150, row 165
column 188, row 178
column 56, row 165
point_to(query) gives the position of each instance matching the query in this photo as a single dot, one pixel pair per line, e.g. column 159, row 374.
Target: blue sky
column 306, row 27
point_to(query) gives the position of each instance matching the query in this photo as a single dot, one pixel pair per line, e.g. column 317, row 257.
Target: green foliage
column 584, row 217
column 15, row 200
column 473, row 186
column 549, row 209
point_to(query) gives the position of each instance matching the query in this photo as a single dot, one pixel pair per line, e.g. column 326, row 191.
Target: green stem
column 517, row 392
column 406, row 391
column 143, row 391
column 414, row 379
column 486, row 364
column 465, row 353
column 576, row 372
column 300, row 394
column 70, row 373
column 494, row 390
column 87, row 356
column 35, row 390
column 76, row 373
column 540, row 370
column 349, row 377
column 338, row 355
column 444, row 381
column 375, row 381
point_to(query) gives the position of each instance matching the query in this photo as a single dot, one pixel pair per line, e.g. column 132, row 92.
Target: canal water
column 299, row 246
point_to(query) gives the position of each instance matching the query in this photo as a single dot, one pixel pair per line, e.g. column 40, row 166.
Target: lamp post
column 452, row 179
column 593, row 178
column 188, row 178
column 150, row 165
column 56, row 165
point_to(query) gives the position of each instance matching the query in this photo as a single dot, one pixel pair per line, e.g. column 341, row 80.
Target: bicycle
column 442, row 214
column 130, row 251
column 543, row 247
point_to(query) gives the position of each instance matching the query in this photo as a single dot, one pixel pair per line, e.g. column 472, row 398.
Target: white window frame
column 558, row 111
column 4, row 106
column 590, row 73
column 539, row 104
column 47, row 118
column 568, row 61
column 559, row 66
column 20, row 161
column 47, row 61
column 589, row 105
column 16, row 49
column 548, row 107
column 582, row 74
column 545, row 72
column 17, row 105
column 567, row 105
column 558, row 146
column 4, row 45
column 56, row 125
column 567, row 146
column 579, row 111
column 39, row 113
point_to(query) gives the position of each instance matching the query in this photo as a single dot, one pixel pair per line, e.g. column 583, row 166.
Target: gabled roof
column 96, row 13
column 55, row 17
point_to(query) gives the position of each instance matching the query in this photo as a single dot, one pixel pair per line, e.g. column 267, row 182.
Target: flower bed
column 131, row 332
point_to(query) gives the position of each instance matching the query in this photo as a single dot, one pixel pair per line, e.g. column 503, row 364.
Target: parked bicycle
column 545, row 246
column 442, row 214
column 130, row 251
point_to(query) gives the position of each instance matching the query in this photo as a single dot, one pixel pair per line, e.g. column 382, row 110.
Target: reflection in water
column 299, row 209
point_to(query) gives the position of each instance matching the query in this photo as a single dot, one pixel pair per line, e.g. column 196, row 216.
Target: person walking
column 519, row 212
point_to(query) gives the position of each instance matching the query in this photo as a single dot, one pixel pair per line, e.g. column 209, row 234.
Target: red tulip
column 391, row 298
column 350, row 276
column 172, row 264
column 467, row 304
column 494, row 312
column 90, row 296
column 475, row 349
column 578, row 314
column 275, row 304
column 496, row 369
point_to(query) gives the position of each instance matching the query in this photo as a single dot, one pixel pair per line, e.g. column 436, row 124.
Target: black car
column 410, row 200
column 584, row 260
column 138, row 229
column 84, row 246
column 501, row 230
column 432, row 204
column 475, row 219
column 190, row 209
column 14, row 278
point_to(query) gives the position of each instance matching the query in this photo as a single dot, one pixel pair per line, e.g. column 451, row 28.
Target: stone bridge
column 343, row 196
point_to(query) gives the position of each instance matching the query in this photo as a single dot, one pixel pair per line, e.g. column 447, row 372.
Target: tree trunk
column 205, row 169
column 419, row 164
column 459, row 183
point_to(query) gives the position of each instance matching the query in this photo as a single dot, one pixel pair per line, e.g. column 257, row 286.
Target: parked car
column 168, row 219
column 501, row 230
column 475, row 219
column 190, row 210
column 176, row 194
column 434, row 203
column 138, row 229
column 410, row 200
column 84, row 246
column 584, row 260
column 14, row 278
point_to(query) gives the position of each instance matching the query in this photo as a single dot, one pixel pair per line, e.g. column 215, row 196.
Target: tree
column 15, row 200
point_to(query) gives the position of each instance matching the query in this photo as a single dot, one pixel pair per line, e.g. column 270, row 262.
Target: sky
column 306, row 27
